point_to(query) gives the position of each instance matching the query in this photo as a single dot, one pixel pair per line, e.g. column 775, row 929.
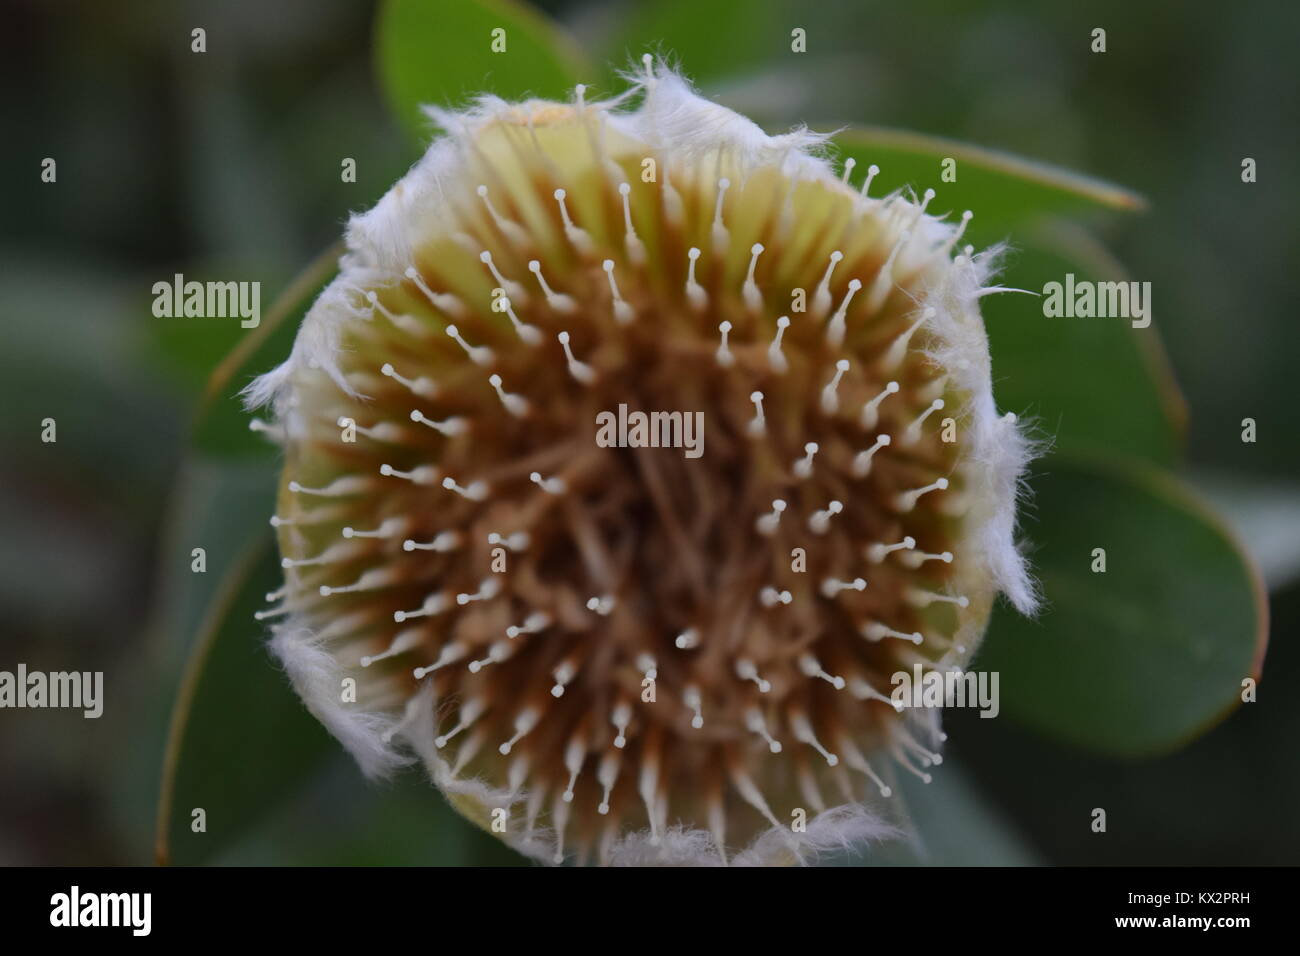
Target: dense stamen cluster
column 587, row 642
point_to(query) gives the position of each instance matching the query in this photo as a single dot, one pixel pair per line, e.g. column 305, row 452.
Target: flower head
column 625, row 652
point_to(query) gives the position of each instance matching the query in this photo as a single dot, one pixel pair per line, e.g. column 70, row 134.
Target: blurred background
column 228, row 165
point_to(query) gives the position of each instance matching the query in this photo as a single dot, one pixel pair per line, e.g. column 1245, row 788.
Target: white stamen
column 513, row 231
column 913, row 431
column 835, row 328
column 872, row 170
column 579, row 237
column 695, row 293
column 565, row 672
column 721, row 238
column 423, row 475
column 602, row 605
column 607, row 776
column 862, row 460
column 878, row 552
column 757, row 425
column 443, row 301
column 830, row 399
column 496, row 653
column 424, row 387
column 444, row 541
column 552, row 486
column 802, row 729
column 914, row 559
column 821, row 520
column 812, row 667
column 922, row 598
column 516, row 405
column 516, row 542
column 803, row 467
column 645, row 663
column 449, row 654
column 875, row 631
column 635, row 247
column 623, row 313
column 775, row 357
column 848, row 168
column 478, row 354
column 884, row 281
column 581, row 371
column 821, row 301
column 688, row 639
column 448, row 426
column 477, row 490
column 853, row 757
column 388, row 528
column 723, row 354
column 574, row 755
column 692, row 699
column 488, row 588
column 620, row 717
column 338, row 488
column 470, row 711
column 528, row 334
column 372, row 580
column 755, row 724
column 898, row 350
column 771, row 597
column 766, row 524
column 537, row 621
column 833, row 586
column 864, row 691
column 433, row 605
column 746, row 670
column 948, row 246
column 524, row 723
column 556, row 300
column 906, row 501
column 750, row 292
column 871, row 410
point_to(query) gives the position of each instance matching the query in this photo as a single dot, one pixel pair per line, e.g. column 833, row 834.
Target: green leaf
column 221, row 423
column 1005, row 192
column 1094, row 385
column 440, row 52
column 240, row 740
column 755, row 34
column 1147, row 654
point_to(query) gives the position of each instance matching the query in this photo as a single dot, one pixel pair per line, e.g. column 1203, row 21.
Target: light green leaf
column 239, row 739
column 440, row 52
column 1147, row 654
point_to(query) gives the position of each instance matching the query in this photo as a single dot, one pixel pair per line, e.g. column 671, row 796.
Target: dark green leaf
column 240, row 740
column 1094, row 385
column 440, row 52
column 1153, row 651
